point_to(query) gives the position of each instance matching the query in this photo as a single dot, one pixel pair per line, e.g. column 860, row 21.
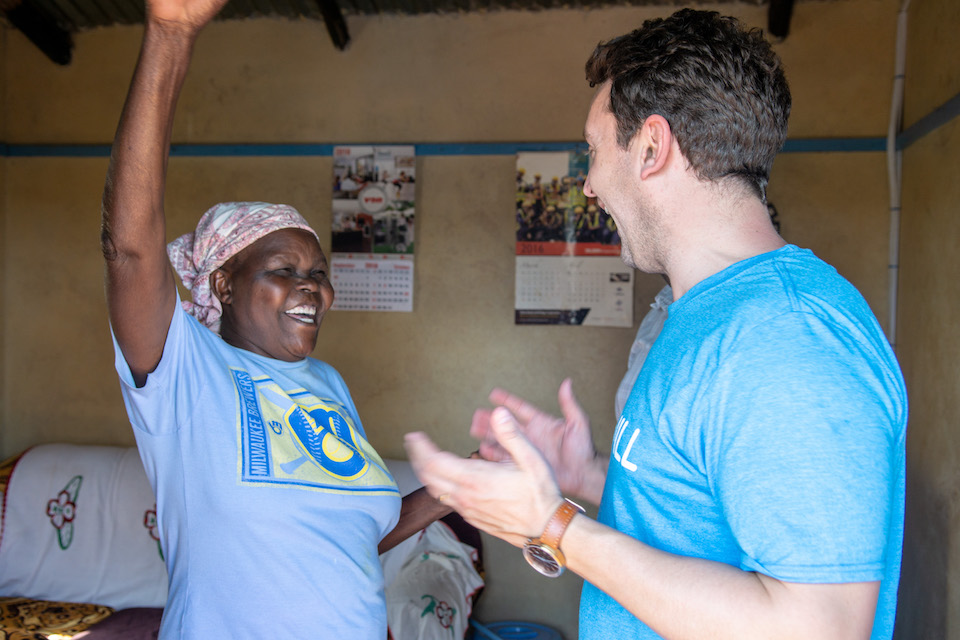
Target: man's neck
column 716, row 230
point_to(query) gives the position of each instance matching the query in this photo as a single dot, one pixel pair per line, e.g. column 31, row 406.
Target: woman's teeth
column 303, row 313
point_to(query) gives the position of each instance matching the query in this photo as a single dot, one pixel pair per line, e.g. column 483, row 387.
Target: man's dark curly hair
column 720, row 86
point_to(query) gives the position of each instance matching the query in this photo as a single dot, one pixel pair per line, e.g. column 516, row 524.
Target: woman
column 271, row 503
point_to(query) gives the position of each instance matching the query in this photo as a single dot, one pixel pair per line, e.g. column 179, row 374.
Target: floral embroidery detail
column 63, row 509
column 150, row 522
column 445, row 614
column 443, row 611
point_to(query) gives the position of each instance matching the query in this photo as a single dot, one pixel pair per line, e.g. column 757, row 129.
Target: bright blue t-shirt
column 766, row 430
column 270, row 501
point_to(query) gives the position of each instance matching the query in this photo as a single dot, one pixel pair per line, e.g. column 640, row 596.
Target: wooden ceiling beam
column 55, row 42
column 336, row 25
column 778, row 18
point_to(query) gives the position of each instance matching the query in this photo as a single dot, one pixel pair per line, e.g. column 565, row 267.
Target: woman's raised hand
column 187, row 13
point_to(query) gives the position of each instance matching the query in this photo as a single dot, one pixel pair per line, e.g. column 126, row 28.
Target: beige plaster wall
column 426, row 370
column 509, row 76
column 933, row 70
column 929, row 351
column 502, row 76
column 837, row 205
column 506, row 76
column 929, row 343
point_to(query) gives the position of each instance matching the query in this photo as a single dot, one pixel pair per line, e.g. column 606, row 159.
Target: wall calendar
column 568, row 267
column 374, row 211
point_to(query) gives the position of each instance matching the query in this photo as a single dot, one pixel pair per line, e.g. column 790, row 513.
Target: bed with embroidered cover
column 80, row 555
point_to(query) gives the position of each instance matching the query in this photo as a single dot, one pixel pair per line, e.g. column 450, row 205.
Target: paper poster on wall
column 374, row 206
column 568, row 267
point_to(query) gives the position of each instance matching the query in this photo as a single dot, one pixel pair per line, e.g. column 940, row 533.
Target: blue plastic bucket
column 514, row 630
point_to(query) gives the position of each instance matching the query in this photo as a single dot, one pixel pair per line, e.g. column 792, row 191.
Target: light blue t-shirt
column 766, row 430
column 270, row 501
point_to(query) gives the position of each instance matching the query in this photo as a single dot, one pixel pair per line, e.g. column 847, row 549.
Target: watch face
column 544, row 559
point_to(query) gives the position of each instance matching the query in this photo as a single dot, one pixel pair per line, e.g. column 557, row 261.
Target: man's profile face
column 614, row 179
column 607, row 179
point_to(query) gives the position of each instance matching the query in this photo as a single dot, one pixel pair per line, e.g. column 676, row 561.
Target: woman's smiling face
column 274, row 294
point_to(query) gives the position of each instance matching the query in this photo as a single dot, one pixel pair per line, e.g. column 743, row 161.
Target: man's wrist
column 543, row 552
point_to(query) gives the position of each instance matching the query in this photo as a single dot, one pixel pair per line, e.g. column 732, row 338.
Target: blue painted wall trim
column 810, row 145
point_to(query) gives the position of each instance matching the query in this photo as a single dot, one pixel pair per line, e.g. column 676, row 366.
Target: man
column 755, row 484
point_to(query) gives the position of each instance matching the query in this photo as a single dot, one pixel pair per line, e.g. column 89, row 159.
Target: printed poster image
column 372, row 247
column 568, row 267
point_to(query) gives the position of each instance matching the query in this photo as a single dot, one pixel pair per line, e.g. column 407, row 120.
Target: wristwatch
column 544, row 553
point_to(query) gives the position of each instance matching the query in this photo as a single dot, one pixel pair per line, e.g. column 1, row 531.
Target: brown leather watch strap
column 558, row 523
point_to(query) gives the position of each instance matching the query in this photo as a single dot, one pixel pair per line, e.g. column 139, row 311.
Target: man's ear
column 652, row 145
column 221, row 286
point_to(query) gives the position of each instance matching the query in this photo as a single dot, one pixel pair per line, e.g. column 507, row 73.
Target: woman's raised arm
column 140, row 287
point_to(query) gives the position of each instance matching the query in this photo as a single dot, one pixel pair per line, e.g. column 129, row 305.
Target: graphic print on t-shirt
column 293, row 437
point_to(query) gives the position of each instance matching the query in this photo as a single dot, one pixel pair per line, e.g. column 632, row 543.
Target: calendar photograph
column 374, row 199
column 553, row 215
column 372, row 227
column 568, row 267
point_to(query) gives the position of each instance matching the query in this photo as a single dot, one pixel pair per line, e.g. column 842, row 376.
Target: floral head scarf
column 223, row 231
